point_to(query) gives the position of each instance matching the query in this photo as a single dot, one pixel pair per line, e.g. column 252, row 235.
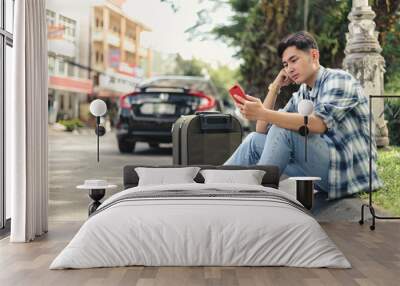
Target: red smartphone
column 238, row 91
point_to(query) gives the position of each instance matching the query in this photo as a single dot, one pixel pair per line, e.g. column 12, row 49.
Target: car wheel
column 154, row 145
column 126, row 147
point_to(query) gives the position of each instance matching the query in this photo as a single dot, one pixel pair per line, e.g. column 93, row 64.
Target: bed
column 201, row 224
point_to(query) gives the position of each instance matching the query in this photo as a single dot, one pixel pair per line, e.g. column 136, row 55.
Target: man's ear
column 315, row 54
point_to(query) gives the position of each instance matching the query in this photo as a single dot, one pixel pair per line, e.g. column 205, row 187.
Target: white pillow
column 249, row 177
column 163, row 176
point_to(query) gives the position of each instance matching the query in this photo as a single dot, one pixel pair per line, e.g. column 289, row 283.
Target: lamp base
column 305, row 193
column 96, row 195
column 100, row 130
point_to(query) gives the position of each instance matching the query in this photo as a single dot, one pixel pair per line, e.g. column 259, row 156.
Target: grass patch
column 71, row 124
column 388, row 197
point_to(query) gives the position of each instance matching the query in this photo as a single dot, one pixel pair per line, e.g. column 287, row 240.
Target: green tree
column 222, row 76
column 257, row 27
column 388, row 24
column 191, row 67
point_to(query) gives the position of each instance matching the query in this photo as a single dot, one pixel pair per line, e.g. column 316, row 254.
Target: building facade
column 94, row 51
column 68, row 84
column 116, row 50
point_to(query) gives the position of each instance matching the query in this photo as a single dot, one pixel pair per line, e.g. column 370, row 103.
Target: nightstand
column 97, row 190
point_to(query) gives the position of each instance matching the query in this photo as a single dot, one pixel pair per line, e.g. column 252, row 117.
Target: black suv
column 148, row 113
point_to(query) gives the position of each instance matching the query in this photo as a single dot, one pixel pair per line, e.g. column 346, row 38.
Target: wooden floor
column 374, row 255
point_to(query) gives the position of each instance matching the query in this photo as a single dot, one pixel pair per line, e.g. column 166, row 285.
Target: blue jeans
column 285, row 148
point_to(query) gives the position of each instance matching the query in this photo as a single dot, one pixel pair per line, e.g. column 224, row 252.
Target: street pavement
column 72, row 159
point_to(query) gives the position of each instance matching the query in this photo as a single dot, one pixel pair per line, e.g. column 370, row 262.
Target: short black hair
column 301, row 40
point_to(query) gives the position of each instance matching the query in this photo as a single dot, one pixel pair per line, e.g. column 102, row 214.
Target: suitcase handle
column 215, row 121
column 207, row 112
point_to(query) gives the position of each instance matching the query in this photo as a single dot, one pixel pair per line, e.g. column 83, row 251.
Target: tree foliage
column 191, row 67
column 257, row 27
column 222, row 76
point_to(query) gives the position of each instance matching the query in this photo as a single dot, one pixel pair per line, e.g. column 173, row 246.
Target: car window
column 193, row 84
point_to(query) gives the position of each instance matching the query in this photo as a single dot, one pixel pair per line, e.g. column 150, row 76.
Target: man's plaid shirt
column 340, row 101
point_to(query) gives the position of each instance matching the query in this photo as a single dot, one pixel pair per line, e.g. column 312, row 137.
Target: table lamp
column 305, row 108
column 98, row 108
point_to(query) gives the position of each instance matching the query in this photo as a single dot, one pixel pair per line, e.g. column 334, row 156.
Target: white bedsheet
column 200, row 231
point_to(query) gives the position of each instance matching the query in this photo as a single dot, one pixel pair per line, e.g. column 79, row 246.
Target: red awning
column 71, row 84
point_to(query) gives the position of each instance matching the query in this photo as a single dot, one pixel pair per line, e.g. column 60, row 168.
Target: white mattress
column 200, row 231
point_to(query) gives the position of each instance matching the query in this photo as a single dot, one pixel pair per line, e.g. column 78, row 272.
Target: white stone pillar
column 364, row 61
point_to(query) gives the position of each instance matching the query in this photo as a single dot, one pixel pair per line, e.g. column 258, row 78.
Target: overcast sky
column 168, row 28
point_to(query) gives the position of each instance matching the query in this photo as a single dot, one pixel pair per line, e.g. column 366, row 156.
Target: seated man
column 338, row 143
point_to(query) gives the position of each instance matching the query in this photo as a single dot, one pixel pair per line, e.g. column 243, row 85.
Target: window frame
column 6, row 39
column 50, row 17
column 70, row 27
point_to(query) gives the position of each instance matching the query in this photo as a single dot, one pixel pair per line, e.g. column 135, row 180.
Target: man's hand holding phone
column 250, row 107
column 237, row 91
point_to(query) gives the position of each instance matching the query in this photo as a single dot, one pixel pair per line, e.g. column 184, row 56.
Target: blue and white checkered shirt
column 341, row 103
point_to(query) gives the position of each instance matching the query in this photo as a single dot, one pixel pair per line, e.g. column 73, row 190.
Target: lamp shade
column 305, row 107
column 98, row 107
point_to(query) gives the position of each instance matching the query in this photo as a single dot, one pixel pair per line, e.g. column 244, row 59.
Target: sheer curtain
column 26, row 123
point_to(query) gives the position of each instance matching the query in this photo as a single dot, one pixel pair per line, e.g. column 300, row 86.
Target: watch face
column 303, row 130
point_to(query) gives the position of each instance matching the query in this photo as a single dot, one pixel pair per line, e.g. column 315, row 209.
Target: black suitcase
column 205, row 138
